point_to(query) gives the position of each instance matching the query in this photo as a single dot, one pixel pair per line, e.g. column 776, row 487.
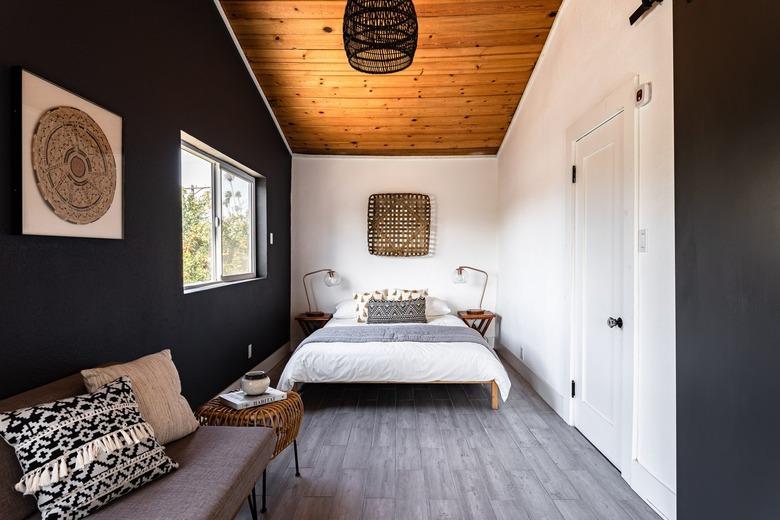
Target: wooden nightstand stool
column 478, row 321
column 283, row 416
column 311, row 323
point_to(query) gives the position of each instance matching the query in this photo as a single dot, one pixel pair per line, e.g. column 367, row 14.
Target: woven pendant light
column 380, row 36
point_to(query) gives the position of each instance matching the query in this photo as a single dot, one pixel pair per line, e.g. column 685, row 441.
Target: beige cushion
column 361, row 300
column 157, row 388
column 406, row 294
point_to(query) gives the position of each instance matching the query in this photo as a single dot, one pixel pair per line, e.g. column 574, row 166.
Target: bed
column 444, row 350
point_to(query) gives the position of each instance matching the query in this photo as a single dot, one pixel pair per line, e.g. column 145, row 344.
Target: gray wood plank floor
column 439, row 452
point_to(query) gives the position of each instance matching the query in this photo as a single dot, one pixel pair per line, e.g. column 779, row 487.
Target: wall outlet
column 643, row 241
column 249, row 351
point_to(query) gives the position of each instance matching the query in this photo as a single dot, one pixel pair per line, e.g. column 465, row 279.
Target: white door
column 599, row 232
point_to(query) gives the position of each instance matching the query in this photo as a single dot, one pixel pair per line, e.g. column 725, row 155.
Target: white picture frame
column 37, row 215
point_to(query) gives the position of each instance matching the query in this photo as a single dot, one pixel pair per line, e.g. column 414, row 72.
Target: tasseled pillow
column 78, row 454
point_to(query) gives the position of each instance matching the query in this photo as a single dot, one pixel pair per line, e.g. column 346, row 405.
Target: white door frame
column 620, row 100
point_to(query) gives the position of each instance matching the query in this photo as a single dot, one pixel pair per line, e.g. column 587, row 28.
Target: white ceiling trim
column 251, row 73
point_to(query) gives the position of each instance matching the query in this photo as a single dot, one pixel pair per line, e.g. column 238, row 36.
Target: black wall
column 68, row 303
column 727, row 148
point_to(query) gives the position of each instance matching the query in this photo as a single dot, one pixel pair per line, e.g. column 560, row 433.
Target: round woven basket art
column 74, row 166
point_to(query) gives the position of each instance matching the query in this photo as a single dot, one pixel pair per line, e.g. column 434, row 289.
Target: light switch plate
column 643, row 241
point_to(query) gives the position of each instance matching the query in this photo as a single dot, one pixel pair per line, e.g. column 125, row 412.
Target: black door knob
column 612, row 323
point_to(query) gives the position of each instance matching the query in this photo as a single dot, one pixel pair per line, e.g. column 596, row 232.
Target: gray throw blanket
column 397, row 333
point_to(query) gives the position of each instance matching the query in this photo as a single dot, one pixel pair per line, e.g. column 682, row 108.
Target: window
column 219, row 218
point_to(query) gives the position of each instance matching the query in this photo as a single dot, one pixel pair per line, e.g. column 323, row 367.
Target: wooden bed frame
column 494, row 395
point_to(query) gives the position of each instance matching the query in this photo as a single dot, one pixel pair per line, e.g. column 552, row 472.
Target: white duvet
column 402, row 362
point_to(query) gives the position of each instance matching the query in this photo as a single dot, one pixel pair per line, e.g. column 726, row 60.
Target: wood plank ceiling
column 473, row 61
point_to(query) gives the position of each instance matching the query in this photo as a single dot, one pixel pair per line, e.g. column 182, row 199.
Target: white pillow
column 346, row 309
column 436, row 307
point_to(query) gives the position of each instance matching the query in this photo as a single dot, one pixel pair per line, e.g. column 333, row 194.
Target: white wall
column 329, row 206
column 591, row 52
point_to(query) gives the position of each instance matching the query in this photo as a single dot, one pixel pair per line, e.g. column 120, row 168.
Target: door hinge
column 574, row 173
column 573, row 393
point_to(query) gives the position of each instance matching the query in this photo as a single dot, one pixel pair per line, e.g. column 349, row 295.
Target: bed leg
column 494, row 395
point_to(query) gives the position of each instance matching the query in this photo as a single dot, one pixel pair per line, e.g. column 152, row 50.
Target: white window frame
column 219, row 163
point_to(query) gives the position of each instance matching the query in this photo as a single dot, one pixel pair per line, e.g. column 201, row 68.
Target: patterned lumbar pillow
column 361, row 300
column 80, row 453
column 398, row 311
column 406, row 294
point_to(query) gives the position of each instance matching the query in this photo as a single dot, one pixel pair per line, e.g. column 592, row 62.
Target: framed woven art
column 71, row 163
column 399, row 224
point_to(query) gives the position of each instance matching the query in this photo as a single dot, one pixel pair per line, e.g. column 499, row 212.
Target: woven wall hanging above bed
column 399, row 224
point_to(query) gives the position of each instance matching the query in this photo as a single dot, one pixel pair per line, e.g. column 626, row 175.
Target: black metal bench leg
column 252, row 499
column 263, row 509
column 295, row 449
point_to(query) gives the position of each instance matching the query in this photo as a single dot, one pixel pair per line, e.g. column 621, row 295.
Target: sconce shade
column 459, row 276
column 332, row 279
column 380, row 36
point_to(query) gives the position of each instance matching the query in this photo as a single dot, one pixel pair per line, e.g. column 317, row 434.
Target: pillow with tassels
column 80, row 453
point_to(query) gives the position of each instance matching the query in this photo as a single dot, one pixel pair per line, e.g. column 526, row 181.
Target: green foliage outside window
column 196, row 234
column 235, row 227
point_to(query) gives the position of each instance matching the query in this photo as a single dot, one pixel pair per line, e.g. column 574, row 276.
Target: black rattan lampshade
column 380, row 36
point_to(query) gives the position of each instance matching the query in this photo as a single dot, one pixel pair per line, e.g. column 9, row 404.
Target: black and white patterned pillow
column 80, row 453
column 405, row 311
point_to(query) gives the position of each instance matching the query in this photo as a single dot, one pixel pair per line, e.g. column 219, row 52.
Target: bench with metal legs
column 252, row 499
column 283, row 416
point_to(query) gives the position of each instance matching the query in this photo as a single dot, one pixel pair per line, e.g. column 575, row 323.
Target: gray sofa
column 218, row 468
